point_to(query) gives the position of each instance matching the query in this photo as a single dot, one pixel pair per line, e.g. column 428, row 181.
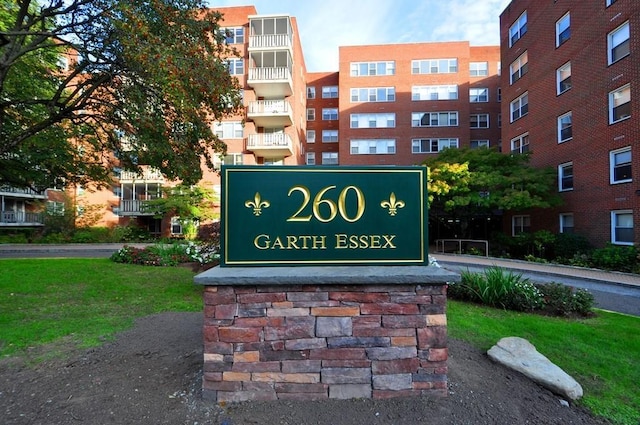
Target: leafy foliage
column 82, row 79
column 562, row 300
column 615, row 257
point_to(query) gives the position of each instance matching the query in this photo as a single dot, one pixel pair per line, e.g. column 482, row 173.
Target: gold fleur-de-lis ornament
column 257, row 204
column 392, row 204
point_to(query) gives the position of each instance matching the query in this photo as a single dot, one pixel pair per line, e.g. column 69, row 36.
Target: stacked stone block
column 311, row 342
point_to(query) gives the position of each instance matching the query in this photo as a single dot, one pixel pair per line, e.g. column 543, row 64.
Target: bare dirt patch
column 151, row 374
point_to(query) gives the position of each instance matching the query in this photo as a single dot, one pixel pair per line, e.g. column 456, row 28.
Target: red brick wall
column 593, row 197
column 317, row 342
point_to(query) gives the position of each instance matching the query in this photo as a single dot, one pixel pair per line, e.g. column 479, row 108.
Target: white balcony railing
column 269, row 140
column 20, row 217
column 269, row 41
column 133, row 207
column 269, row 107
column 22, row 191
column 149, row 174
column 270, row 74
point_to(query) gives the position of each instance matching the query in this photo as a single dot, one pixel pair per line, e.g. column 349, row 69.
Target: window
column 373, row 120
column 518, row 29
column 519, row 67
column 55, row 208
column 311, row 92
column 565, row 177
column 565, row 128
column 363, row 69
column 566, row 223
column 620, row 104
column 609, row 2
column 563, row 29
column 434, row 66
column 330, row 92
column 520, row 224
column 434, row 119
column 622, row 227
column 176, row 226
column 520, row 107
column 618, row 43
column 329, row 136
column 499, row 94
column 375, row 94
column 311, row 114
column 520, row 144
column 478, row 69
column 499, row 120
column 329, row 158
column 563, row 78
column 479, row 120
column 374, row 146
column 434, row 92
column 236, row 66
column 311, row 136
column 475, row 144
column 233, row 35
column 228, row 129
column 432, row 145
column 479, row 95
column 311, row 158
column 231, row 159
column 620, row 166
column 329, row 114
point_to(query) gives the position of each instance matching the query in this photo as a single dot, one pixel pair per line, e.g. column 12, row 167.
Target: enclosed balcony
column 133, row 197
column 270, row 74
column 271, row 113
column 270, row 33
column 12, row 218
column 270, row 145
column 14, row 192
column 148, row 175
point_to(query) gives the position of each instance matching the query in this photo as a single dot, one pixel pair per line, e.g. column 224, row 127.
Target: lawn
column 86, row 301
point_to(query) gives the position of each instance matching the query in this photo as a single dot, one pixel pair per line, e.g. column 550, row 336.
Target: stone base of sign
column 312, row 333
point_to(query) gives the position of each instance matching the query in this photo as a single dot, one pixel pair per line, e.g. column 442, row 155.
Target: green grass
column 86, row 301
column 601, row 353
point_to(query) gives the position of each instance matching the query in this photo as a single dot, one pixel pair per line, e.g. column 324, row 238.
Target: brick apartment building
column 570, row 70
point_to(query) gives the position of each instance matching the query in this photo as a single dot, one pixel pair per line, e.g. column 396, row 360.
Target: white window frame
column 330, row 158
column 563, row 175
column 613, row 166
column 519, row 67
column 329, row 136
column 478, row 95
column 615, row 225
column 563, row 29
column 520, row 224
column 518, row 105
column 235, row 66
column 311, row 136
column 614, row 41
column 441, row 119
column 613, row 97
column 229, row 129
column 478, row 69
column 373, row 120
column 366, row 69
column 444, row 92
column 518, row 29
column 479, row 121
column 372, row 146
column 311, row 114
column 564, row 219
column 311, row 92
column 434, row 66
column 233, row 35
column 329, row 114
column 373, row 94
column 433, row 145
column 563, row 78
column 330, row 92
column 310, row 158
column 520, row 144
column 562, row 125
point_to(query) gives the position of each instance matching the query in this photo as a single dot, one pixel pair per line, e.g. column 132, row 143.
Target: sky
column 324, row 25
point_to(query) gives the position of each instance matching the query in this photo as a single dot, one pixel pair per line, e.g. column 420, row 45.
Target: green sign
column 274, row 216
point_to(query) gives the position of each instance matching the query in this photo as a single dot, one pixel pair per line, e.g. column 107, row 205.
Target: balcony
column 149, row 175
column 270, row 42
column 270, row 145
column 20, row 218
column 22, row 193
column 132, row 207
column 271, row 82
column 270, row 113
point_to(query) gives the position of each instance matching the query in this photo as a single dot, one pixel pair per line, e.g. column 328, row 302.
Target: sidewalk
column 627, row 279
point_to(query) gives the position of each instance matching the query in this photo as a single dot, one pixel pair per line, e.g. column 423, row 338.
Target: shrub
column 569, row 245
column 562, row 300
column 162, row 255
column 614, row 257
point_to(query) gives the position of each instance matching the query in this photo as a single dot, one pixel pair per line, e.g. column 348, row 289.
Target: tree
column 191, row 204
column 82, row 79
column 467, row 183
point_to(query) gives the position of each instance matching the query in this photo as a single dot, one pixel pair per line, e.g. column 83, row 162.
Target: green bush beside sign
column 274, row 216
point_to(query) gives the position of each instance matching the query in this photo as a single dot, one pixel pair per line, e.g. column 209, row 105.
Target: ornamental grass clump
column 498, row 288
